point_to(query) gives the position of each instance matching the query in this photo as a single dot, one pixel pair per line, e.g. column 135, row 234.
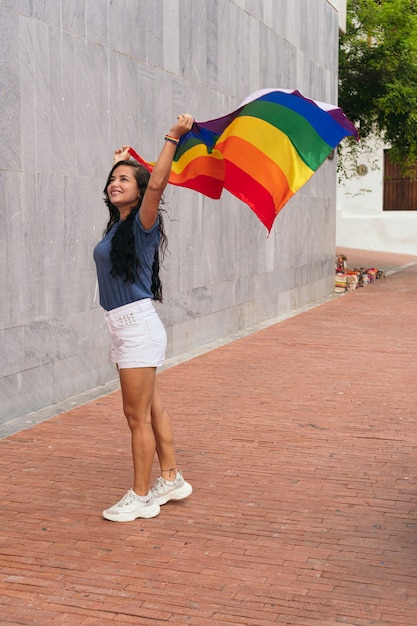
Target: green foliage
column 378, row 73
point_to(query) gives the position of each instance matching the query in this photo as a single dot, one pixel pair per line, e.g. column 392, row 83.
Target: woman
column 127, row 261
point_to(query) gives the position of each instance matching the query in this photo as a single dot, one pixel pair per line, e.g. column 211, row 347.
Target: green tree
column 378, row 73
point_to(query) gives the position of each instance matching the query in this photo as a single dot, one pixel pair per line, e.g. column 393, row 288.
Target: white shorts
column 138, row 337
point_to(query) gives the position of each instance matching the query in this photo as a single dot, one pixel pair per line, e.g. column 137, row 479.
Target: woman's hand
column 184, row 124
column 122, row 154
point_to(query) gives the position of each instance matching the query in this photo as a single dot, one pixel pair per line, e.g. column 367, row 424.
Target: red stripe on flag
column 206, row 185
column 255, row 195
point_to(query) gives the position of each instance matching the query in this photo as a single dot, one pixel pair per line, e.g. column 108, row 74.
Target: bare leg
column 138, row 386
column 164, row 436
column 172, row 486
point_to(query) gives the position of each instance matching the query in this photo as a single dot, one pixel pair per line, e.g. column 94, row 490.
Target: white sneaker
column 132, row 506
column 163, row 490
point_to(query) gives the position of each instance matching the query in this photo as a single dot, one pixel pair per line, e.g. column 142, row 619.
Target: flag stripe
column 203, row 183
column 197, row 156
column 255, row 195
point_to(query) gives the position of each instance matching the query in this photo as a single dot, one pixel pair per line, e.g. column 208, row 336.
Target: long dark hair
column 123, row 255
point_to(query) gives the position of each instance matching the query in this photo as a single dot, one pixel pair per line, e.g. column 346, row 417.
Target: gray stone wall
column 81, row 77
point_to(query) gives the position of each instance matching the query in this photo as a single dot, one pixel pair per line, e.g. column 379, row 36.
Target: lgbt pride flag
column 262, row 153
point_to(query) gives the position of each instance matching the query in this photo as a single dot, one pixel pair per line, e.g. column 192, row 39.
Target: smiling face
column 122, row 189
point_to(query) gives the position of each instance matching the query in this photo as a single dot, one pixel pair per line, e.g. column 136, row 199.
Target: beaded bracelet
column 172, row 139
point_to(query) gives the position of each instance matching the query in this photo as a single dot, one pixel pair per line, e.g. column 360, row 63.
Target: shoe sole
column 180, row 494
column 152, row 511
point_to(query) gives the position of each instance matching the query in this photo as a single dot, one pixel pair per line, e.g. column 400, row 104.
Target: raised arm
column 161, row 171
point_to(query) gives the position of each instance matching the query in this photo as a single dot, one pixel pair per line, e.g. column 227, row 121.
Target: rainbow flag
column 262, row 153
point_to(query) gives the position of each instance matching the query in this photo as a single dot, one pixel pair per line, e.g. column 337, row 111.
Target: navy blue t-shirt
column 114, row 290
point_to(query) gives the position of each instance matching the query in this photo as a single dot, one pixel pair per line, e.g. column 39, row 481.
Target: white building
column 376, row 208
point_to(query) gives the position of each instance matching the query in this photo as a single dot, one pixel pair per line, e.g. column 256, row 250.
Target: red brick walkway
column 300, row 442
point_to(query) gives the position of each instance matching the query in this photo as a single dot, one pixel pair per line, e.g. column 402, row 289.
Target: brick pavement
column 300, row 442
